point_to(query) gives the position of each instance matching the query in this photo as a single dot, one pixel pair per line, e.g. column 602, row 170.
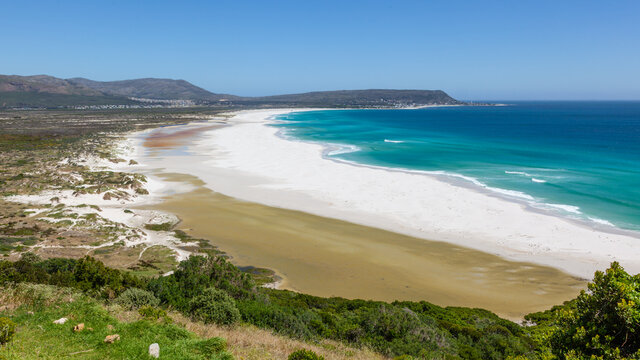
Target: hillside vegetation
column 34, row 308
column 602, row 323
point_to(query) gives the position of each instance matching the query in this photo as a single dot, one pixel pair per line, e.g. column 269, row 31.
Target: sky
column 473, row 50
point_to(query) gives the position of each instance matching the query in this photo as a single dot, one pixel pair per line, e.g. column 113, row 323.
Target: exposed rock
column 133, row 162
column 110, row 339
column 107, row 196
column 154, row 350
column 78, row 327
column 61, row 321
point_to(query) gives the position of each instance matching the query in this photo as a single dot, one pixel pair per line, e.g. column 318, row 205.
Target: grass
column 251, row 343
column 34, row 308
column 38, row 338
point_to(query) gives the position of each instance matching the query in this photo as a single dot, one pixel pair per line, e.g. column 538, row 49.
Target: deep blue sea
column 576, row 159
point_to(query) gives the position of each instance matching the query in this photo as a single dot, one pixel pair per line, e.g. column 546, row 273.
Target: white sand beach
column 247, row 160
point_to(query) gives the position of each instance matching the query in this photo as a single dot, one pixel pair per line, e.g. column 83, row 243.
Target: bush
column 7, row 330
column 303, row 354
column 30, row 258
column 604, row 321
column 153, row 313
column 91, row 275
column 214, row 306
column 135, row 298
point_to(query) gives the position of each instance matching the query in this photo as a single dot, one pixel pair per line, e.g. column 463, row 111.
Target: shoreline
column 474, row 185
column 458, row 180
column 326, row 257
column 538, row 237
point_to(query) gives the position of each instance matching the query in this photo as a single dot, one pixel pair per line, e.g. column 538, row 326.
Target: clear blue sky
column 471, row 49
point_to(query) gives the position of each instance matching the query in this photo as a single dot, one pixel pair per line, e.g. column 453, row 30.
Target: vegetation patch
column 159, row 227
column 134, row 298
column 214, row 306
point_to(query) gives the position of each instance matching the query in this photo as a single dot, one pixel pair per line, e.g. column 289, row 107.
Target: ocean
column 575, row 159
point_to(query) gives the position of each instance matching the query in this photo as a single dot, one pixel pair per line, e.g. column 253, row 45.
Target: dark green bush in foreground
column 604, row 323
column 87, row 274
column 214, row 306
column 135, row 298
column 304, row 354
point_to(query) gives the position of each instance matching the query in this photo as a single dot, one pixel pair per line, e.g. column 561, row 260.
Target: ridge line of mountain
column 49, row 91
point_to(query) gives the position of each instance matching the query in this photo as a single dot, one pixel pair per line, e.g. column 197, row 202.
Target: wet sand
column 329, row 257
column 174, row 136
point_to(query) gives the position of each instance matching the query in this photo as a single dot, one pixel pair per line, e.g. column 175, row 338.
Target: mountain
column 359, row 98
column 43, row 84
column 48, row 91
column 150, row 88
column 45, row 91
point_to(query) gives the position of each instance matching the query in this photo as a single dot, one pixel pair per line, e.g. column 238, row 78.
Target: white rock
column 154, row 350
column 60, row 321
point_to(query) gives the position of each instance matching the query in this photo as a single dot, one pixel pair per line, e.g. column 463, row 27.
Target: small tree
column 605, row 323
column 214, row 306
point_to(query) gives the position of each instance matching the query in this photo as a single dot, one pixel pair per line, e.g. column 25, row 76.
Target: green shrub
column 91, row 275
column 304, row 354
column 604, row 322
column 7, row 330
column 30, row 258
column 214, row 306
column 135, row 298
column 154, row 313
column 159, row 227
column 198, row 273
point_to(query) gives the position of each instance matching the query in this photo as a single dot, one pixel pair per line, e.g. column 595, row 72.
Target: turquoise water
column 576, row 159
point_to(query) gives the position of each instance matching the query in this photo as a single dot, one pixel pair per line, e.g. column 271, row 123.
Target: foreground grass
column 38, row 337
column 34, row 307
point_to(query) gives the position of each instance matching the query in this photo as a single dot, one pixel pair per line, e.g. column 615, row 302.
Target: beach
column 248, row 160
column 257, row 222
